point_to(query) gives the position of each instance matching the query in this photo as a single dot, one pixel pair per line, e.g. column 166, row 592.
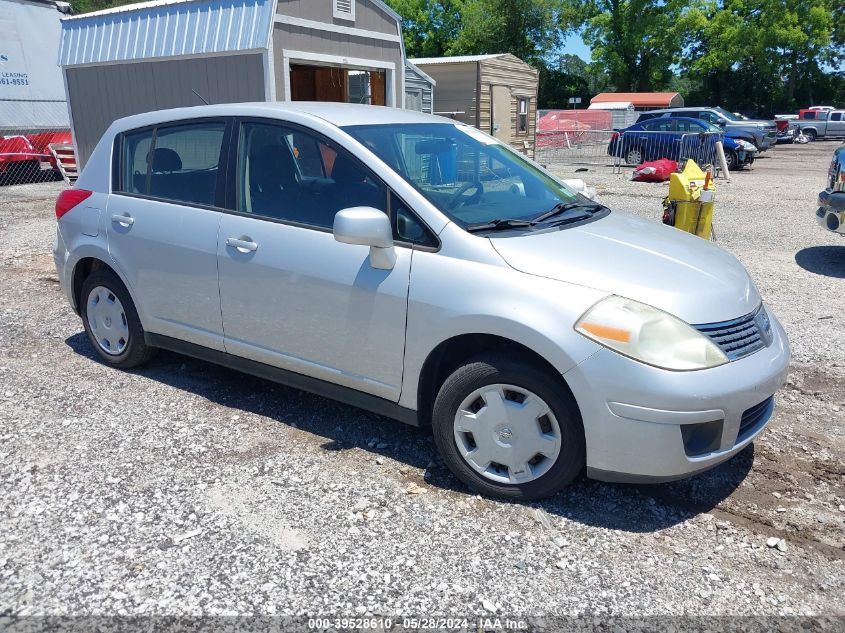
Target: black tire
column 490, row 369
column 732, row 160
column 810, row 134
column 136, row 352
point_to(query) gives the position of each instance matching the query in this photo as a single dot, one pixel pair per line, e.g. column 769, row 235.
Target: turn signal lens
column 649, row 335
column 69, row 198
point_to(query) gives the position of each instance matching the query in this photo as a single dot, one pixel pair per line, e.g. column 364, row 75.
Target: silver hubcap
column 107, row 321
column 507, row 434
column 634, row 157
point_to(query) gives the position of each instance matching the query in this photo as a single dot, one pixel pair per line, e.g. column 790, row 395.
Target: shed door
column 501, row 115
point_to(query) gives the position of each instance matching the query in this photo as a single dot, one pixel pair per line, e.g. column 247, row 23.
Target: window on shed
column 344, row 9
column 522, row 116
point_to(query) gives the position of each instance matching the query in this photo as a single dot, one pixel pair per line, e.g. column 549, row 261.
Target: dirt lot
column 184, row 488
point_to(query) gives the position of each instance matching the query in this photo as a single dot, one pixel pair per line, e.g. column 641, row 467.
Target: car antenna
column 200, row 96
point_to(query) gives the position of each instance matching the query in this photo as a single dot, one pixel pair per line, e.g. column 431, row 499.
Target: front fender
column 451, row 297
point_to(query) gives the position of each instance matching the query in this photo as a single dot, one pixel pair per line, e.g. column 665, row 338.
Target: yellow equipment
column 689, row 205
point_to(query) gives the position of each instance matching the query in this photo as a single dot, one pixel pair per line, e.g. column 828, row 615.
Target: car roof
column 339, row 114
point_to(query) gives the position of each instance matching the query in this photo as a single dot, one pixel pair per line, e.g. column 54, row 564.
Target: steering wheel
column 457, row 198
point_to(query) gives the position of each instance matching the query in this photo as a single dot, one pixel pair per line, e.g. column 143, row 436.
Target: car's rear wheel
column 508, row 429
column 634, row 156
column 111, row 321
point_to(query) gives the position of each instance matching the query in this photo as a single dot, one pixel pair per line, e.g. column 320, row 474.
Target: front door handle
column 243, row 244
column 123, row 220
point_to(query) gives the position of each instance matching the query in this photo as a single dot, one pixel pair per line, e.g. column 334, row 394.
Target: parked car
column 831, row 210
column 814, row 123
column 672, row 138
column 763, row 134
column 24, row 157
column 421, row 269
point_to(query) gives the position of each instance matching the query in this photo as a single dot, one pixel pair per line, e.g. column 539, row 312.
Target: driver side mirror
column 366, row 226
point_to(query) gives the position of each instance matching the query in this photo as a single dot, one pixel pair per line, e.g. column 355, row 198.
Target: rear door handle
column 123, row 220
column 243, row 244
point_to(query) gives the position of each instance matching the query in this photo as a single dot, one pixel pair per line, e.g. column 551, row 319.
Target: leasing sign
column 32, row 92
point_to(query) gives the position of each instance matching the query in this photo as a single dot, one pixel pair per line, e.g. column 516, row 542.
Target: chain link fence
column 35, row 143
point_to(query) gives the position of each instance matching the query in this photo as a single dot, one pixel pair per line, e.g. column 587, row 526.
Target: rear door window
column 660, row 125
column 178, row 163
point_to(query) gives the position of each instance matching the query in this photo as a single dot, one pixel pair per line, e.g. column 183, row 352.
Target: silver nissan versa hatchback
column 419, row 268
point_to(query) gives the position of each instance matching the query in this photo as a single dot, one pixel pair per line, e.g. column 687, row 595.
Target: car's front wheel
column 731, row 159
column 111, row 321
column 810, row 134
column 508, row 429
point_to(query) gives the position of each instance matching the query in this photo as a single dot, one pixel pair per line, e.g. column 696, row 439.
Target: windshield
column 470, row 177
column 730, row 116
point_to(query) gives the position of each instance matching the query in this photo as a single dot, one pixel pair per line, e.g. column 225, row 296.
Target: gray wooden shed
column 419, row 89
column 172, row 53
column 495, row 93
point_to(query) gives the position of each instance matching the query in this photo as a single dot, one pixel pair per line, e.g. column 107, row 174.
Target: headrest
column 346, row 172
column 165, row 159
column 272, row 164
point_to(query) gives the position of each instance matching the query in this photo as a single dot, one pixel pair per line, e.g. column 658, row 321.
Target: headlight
column 649, row 335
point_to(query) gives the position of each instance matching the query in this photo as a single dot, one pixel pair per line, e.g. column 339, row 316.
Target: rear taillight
column 69, row 198
column 614, row 136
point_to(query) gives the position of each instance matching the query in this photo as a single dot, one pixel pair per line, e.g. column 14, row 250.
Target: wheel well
column 447, row 356
column 84, row 267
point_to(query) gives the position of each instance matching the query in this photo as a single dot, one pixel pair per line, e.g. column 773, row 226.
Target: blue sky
column 574, row 45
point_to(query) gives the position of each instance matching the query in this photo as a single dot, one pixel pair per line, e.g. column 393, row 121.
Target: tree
column 637, row 42
column 429, row 27
column 525, row 28
column 775, row 50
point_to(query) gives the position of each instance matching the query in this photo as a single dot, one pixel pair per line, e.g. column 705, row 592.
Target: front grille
column 753, row 416
column 737, row 338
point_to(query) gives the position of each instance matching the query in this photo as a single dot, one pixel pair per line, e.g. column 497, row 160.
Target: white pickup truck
column 820, row 123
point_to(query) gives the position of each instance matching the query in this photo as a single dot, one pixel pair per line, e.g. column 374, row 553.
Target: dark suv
column 763, row 134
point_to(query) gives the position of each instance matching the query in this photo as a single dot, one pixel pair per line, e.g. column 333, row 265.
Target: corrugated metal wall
column 100, row 94
column 416, row 83
column 168, row 30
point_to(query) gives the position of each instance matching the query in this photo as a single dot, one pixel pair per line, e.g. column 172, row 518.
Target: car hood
column 752, row 122
column 641, row 260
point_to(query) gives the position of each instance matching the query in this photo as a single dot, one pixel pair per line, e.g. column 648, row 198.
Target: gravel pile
column 184, row 489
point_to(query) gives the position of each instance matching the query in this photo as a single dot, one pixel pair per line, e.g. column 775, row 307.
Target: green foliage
column 86, row 6
column 782, row 50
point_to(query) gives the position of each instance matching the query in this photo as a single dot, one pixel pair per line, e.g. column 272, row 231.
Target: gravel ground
column 184, row 489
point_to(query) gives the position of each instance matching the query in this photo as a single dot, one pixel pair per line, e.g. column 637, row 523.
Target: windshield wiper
column 563, row 207
column 500, row 224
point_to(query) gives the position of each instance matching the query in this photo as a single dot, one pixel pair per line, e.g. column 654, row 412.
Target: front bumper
column 831, row 211
column 634, row 415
